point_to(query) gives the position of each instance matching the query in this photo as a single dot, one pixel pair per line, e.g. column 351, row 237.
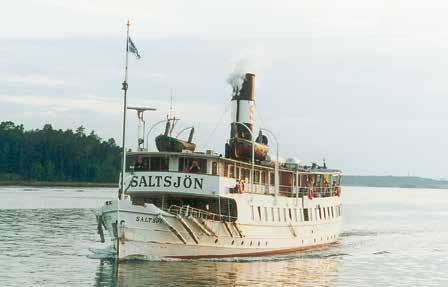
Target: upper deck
column 210, row 174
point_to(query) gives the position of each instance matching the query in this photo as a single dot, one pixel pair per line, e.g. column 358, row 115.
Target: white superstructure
column 170, row 212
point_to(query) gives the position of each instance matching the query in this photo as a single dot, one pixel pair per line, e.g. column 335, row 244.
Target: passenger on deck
column 194, row 168
column 139, row 166
column 334, row 186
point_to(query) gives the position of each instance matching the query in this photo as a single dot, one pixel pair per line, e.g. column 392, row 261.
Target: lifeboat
column 242, row 149
column 171, row 144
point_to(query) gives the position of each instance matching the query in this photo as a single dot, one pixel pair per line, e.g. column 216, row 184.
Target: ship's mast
column 125, row 89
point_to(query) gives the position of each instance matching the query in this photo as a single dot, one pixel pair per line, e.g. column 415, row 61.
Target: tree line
column 48, row 154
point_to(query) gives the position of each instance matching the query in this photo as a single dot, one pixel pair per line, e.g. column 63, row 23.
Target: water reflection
column 284, row 271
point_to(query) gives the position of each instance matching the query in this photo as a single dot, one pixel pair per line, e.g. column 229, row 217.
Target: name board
column 173, row 182
column 167, row 181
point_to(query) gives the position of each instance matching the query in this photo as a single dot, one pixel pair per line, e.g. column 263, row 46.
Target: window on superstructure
column 259, row 213
column 266, row 215
column 290, row 214
column 325, row 214
column 278, row 214
column 328, row 212
column 159, row 164
column 320, row 213
column 252, row 212
column 214, row 168
column 271, row 178
column 284, row 214
column 256, row 176
column 295, row 214
column 272, row 214
column 262, row 177
column 238, row 176
column 305, row 214
column 245, row 174
column 332, row 212
column 231, row 171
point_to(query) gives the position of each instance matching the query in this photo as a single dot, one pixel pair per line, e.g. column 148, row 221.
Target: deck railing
column 290, row 191
column 188, row 211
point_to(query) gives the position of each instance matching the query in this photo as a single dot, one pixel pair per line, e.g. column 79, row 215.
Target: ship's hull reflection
column 274, row 271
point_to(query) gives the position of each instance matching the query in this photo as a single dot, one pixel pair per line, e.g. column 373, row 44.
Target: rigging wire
column 216, row 126
column 258, row 115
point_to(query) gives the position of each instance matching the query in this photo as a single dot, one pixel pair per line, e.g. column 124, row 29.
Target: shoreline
column 56, row 183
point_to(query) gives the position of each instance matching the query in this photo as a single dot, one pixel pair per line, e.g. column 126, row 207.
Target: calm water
column 392, row 237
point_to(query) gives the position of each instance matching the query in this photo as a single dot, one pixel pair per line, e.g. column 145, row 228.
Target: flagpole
column 125, row 89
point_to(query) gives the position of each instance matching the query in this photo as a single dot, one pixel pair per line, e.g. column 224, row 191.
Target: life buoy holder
column 310, row 192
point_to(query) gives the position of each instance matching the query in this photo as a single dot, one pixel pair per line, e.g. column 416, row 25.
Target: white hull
column 149, row 231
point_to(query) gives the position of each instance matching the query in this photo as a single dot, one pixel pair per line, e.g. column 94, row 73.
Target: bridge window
column 193, row 165
column 145, row 163
column 158, row 164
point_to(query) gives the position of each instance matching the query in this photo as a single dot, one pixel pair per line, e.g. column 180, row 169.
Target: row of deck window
column 277, row 214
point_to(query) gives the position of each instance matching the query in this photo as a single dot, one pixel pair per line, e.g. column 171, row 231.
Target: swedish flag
column 132, row 48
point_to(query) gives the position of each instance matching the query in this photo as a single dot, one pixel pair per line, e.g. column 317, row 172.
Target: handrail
column 291, row 191
column 187, row 211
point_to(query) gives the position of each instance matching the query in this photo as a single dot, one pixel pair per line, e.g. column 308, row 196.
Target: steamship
column 181, row 203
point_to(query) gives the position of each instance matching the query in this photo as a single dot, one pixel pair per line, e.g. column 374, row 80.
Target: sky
column 359, row 83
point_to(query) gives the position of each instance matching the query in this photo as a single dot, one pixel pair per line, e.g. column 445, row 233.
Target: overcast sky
column 360, row 83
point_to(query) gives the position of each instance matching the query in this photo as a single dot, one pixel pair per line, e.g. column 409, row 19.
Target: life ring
column 338, row 191
column 239, row 186
column 310, row 192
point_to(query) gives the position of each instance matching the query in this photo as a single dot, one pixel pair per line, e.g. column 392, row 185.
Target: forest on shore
column 55, row 155
column 52, row 157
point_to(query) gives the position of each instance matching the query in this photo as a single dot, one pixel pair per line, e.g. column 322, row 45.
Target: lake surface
column 391, row 237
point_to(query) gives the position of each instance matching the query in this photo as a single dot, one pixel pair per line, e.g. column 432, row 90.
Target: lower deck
column 258, row 228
